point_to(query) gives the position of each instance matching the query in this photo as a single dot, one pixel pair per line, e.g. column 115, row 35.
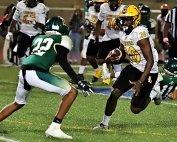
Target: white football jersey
column 93, row 18
column 109, row 18
column 134, row 51
column 24, row 14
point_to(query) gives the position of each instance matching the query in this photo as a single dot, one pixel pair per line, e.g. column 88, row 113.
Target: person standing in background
column 171, row 23
column 160, row 27
column 75, row 33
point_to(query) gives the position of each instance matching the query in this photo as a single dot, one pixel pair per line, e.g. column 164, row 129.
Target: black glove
column 85, row 87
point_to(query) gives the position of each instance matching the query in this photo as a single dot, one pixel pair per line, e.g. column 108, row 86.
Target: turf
column 155, row 124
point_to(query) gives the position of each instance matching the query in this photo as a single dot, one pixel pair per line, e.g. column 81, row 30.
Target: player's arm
column 145, row 46
column 40, row 22
column 62, row 59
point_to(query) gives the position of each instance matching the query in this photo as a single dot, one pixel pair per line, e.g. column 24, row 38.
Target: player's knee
column 115, row 94
column 73, row 91
column 135, row 110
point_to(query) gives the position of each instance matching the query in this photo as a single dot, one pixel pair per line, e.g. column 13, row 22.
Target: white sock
column 117, row 74
column 117, row 67
column 81, row 69
column 106, row 120
column 153, row 94
column 108, row 75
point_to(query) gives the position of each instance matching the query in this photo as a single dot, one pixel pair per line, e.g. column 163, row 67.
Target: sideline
column 7, row 140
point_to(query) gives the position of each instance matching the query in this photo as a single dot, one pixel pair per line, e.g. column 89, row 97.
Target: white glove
column 9, row 36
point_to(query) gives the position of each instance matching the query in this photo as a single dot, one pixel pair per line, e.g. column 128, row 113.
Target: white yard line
column 7, row 140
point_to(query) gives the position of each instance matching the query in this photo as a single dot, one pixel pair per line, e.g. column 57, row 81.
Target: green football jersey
column 151, row 23
column 44, row 51
column 167, row 85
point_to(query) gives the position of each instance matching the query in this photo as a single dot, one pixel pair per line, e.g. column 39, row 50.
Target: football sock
column 81, row 69
column 117, row 67
column 106, row 120
column 117, row 74
column 56, row 120
column 153, row 94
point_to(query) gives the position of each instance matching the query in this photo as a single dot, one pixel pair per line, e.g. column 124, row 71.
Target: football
column 115, row 53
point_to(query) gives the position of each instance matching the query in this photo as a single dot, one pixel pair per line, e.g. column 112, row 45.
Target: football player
column 160, row 27
column 92, row 48
column 167, row 83
column 108, row 14
column 147, row 21
column 32, row 16
column 141, row 74
column 88, row 28
column 48, row 48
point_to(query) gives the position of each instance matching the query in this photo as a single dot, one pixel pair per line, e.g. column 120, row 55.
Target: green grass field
column 155, row 124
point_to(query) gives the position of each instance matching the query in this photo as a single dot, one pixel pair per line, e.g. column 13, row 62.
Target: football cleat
column 106, row 81
column 100, row 126
column 55, row 131
column 158, row 97
column 97, row 75
column 105, row 71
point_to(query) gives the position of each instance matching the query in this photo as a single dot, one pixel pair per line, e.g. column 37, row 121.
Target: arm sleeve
column 62, row 59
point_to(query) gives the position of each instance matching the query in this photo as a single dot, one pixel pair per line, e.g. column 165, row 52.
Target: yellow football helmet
column 131, row 11
column 99, row 1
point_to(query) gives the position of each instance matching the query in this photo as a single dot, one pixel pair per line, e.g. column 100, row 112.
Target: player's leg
column 140, row 102
column 91, row 57
column 21, row 98
column 84, row 59
column 120, row 86
column 52, row 83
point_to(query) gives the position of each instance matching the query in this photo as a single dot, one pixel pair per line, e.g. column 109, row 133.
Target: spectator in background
column 171, row 23
column 75, row 33
column 160, row 27
column 4, row 25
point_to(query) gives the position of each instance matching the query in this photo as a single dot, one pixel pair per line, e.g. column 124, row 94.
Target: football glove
column 85, row 87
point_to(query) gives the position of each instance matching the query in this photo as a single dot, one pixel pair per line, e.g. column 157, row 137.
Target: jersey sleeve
column 42, row 14
column 18, row 11
column 66, row 42
column 140, row 33
column 101, row 13
column 153, row 23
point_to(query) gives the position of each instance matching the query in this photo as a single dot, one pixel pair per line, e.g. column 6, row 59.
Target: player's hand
column 166, row 41
column 9, row 36
column 85, row 87
column 137, row 86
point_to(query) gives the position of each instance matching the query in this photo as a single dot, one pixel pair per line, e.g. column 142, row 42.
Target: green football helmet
column 145, row 12
column 57, row 24
column 171, row 66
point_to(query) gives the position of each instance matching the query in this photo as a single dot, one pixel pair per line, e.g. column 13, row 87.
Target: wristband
column 140, row 82
column 165, row 39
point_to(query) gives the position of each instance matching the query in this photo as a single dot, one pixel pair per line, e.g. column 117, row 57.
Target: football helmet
column 114, row 4
column 164, row 9
column 145, row 12
column 97, row 4
column 140, row 5
column 171, row 66
column 57, row 24
column 132, row 14
column 89, row 3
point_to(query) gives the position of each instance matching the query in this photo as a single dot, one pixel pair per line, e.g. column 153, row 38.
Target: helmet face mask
column 114, row 4
column 129, row 18
column 57, row 24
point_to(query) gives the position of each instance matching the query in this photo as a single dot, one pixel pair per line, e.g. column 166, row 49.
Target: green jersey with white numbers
column 167, row 85
column 44, row 52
